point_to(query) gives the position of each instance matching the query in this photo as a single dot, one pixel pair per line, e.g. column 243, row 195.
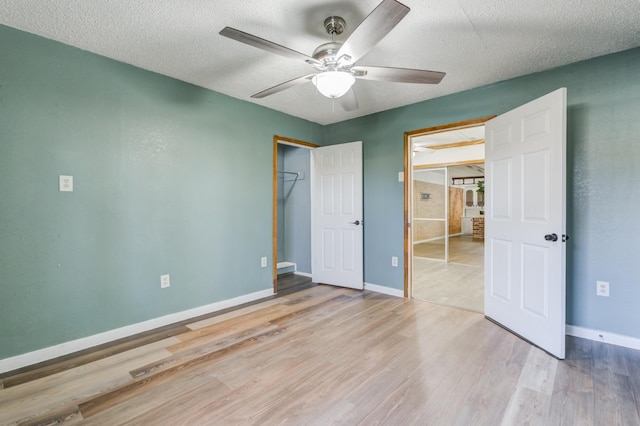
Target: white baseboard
column 384, row 290
column 30, row 358
column 304, row 274
column 281, row 265
column 604, row 336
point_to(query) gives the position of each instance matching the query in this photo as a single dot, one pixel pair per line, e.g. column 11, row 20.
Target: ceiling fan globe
column 333, row 84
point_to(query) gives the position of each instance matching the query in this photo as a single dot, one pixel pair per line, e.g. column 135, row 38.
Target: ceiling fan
column 335, row 62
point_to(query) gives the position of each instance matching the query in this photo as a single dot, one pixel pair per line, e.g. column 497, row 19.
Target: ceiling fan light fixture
column 333, row 84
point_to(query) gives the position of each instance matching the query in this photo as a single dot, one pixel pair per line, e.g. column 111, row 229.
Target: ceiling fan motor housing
column 327, row 52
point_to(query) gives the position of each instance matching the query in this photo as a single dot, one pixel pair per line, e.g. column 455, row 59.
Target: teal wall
column 172, row 178
column 603, row 144
column 169, row 179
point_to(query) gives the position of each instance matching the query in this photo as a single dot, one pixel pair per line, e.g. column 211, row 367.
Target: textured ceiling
column 474, row 42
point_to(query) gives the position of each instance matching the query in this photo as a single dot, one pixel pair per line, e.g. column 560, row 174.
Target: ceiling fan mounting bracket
column 334, row 25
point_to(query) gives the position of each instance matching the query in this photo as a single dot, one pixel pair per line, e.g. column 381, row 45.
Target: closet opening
column 291, row 214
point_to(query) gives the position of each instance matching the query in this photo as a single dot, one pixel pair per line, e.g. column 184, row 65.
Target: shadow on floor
column 292, row 283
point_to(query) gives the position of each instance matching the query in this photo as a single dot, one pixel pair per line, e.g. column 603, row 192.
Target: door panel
column 430, row 213
column 336, row 210
column 525, row 273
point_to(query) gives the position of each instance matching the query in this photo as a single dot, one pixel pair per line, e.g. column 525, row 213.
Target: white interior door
column 525, row 221
column 336, row 215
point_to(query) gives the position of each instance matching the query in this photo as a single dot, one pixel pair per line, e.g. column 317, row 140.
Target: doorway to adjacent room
column 445, row 245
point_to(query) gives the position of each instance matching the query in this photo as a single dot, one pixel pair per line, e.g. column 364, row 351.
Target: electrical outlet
column 602, row 288
column 394, row 261
column 164, row 281
column 263, row 262
column 65, row 183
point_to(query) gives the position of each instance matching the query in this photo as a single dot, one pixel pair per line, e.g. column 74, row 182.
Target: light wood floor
column 335, row 356
column 449, row 284
column 463, row 249
column 458, row 283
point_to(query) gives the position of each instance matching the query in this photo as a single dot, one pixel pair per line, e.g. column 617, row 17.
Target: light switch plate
column 400, row 176
column 65, row 183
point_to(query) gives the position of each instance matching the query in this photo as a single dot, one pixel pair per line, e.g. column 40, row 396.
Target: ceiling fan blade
column 400, row 75
column 373, row 29
column 348, row 101
column 263, row 44
column 283, row 86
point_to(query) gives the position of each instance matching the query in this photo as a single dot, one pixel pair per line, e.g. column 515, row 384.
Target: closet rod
column 298, row 176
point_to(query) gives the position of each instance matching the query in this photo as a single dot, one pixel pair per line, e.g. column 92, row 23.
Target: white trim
column 604, row 336
column 304, row 274
column 51, row 352
column 282, row 265
column 437, row 238
column 384, row 290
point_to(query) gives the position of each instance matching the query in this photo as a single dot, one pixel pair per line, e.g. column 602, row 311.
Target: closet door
column 336, row 215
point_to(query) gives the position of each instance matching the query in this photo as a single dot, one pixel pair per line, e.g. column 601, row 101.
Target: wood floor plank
column 539, row 372
column 633, row 365
column 573, row 395
column 204, row 350
column 449, row 284
column 527, row 407
column 123, row 392
column 60, row 392
column 198, row 325
column 463, row 249
column 192, row 354
column 609, row 358
column 615, row 403
column 494, row 382
column 264, row 312
column 569, row 401
column 160, row 393
column 66, row 363
column 68, row 416
column 225, row 328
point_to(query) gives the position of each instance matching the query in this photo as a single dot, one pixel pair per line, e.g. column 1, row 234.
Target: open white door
column 525, row 221
column 336, row 215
